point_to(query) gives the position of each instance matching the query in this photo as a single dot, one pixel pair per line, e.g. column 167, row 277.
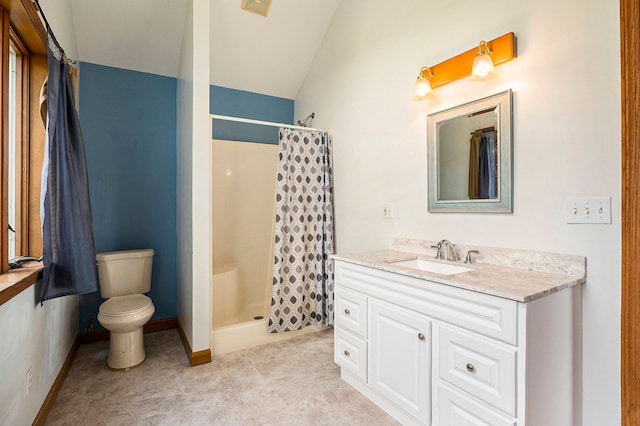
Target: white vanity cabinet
column 434, row 354
column 400, row 354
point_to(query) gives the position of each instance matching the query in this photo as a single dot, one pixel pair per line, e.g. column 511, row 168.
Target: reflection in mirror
column 470, row 156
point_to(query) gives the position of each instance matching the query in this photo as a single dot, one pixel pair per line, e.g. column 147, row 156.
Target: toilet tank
column 124, row 272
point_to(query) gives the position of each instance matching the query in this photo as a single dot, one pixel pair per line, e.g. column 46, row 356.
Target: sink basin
column 427, row 266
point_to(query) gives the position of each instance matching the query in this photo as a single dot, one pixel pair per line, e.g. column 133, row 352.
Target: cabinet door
column 400, row 352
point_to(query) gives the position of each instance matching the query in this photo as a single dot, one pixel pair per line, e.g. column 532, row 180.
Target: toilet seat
column 125, row 305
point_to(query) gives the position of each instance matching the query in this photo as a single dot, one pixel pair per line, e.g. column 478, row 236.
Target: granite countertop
column 529, row 276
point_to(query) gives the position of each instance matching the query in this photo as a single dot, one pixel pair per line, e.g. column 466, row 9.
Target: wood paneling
column 37, row 74
column 26, row 22
column 503, row 48
column 4, row 137
column 200, row 357
column 630, row 309
column 16, row 281
column 195, row 358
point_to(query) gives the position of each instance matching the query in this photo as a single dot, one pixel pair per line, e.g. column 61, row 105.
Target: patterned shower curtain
column 303, row 272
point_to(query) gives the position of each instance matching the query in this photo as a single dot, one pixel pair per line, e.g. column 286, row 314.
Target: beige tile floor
column 294, row 382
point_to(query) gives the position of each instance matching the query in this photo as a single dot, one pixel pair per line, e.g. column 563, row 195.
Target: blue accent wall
column 238, row 103
column 128, row 121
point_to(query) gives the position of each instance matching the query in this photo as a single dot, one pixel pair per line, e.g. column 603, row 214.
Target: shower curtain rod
column 263, row 123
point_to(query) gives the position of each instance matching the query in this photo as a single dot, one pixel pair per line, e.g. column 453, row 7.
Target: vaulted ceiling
column 249, row 52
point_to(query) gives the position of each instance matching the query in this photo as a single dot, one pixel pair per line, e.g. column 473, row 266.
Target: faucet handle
column 468, row 258
column 439, row 251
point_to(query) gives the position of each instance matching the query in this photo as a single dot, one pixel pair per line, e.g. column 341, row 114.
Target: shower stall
column 244, row 182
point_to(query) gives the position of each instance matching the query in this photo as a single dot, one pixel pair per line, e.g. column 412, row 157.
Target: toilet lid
column 125, row 305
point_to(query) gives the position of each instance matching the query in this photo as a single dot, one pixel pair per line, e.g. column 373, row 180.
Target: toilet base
column 126, row 350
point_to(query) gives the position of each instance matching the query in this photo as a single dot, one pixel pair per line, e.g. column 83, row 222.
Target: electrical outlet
column 28, row 381
column 387, row 211
column 589, row 210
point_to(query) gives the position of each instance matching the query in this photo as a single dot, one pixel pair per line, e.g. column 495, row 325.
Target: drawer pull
column 470, row 368
column 347, row 312
column 346, row 353
column 420, row 336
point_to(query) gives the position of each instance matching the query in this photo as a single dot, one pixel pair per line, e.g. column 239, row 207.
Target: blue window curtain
column 67, row 227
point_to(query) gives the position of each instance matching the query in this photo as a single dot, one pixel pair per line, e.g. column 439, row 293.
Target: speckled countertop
column 518, row 275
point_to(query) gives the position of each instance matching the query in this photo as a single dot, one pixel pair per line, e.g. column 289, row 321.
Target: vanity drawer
column 351, row 310
column 350, row 353
column 455, row 408
column 480, row 366
column 482, row 313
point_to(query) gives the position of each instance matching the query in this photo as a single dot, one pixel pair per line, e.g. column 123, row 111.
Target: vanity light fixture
column 482, row 64
column 423, row 86
column 497, row 51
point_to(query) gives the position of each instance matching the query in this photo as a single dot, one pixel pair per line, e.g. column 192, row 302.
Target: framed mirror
column 469, row 149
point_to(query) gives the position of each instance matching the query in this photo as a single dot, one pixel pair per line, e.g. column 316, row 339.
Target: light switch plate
column 589, row 210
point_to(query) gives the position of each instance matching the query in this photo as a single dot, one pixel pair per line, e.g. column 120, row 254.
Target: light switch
column 387, row 211
column 589, row 210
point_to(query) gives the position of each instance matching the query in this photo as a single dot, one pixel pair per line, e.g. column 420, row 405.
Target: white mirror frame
column 503, row 203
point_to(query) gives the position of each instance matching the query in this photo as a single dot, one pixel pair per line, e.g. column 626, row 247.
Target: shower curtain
column 303, row 272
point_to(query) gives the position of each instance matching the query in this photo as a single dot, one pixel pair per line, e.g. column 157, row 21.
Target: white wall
column 31, row 335
column 36, row 337
column 566, row 139
column 194, row 178
column 59, row 14
column 184, row 141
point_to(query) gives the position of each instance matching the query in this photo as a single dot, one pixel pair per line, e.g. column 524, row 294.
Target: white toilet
column 124, row 276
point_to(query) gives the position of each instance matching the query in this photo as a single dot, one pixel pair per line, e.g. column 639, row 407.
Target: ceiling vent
column 261, row 7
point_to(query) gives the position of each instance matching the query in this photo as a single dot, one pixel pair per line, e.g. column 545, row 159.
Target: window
column 13, row 107
column 24, row 69
column 17, row 162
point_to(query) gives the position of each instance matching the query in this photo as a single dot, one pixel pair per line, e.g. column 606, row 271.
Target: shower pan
column 244, row 181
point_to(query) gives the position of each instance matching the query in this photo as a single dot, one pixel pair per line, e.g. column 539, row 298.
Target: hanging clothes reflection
column 483, row 164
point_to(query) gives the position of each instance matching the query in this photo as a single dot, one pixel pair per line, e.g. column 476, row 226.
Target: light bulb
column 423, row 87
column 482, row 64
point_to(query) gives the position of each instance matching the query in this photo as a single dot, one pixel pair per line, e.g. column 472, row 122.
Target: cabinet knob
column 420, row 336
column 347, row 312
column 470, row 368
column 346, row 353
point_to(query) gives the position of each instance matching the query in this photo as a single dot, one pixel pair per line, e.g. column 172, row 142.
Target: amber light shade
column 423, row 85
column 498, row 50
column 483, row 64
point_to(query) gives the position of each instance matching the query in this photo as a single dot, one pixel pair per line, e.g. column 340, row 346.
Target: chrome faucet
column 468, row 258
column 439, row 251
column 446, row 250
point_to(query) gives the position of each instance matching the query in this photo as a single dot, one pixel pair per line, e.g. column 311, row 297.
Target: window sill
column 15, row 281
